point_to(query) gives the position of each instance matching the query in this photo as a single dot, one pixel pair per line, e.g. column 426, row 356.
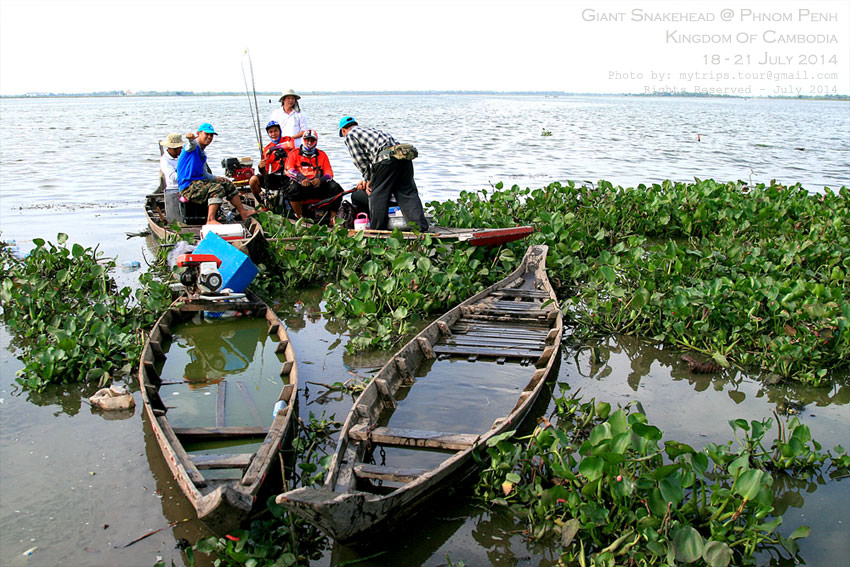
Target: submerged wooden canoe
column 223, row 486
column 254, row 245
column 517, row 319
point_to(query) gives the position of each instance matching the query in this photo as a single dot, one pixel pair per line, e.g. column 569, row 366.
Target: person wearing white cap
column 292, row 121
column 172, row 146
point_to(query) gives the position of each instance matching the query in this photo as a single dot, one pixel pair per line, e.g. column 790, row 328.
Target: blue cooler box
column 237, row 269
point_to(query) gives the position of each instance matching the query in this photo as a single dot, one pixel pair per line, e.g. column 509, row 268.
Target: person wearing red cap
column 198, row 184
column 312, row 177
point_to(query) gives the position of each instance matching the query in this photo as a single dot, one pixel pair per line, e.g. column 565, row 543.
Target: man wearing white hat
column 292, row 122
column 172, row 146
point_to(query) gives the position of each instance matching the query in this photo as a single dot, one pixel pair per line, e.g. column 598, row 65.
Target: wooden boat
column 224, row 485
column 473, row 236
column 253, row 245
column 516, row 319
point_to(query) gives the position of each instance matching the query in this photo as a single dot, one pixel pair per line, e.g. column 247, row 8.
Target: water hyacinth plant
column 602, row 484
column 69, row 317
column 755, row 276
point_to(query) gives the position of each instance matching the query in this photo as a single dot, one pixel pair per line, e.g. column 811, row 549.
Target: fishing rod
column 255, row 118
column 254, row 88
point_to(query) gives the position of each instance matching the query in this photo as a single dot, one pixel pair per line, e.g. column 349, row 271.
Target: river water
column 78, row 485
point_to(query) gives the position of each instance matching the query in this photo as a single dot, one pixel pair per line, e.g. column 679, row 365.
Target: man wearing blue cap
column 196, row 181
column 387, row 170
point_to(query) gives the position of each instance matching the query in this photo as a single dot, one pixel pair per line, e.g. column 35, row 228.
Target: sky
column 750, row 48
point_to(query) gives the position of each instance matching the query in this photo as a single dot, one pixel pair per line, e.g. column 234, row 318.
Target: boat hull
column 221, row 504
column 524, row 307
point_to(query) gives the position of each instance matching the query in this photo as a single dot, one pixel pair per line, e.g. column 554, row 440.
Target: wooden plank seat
column 501, row 310
column 503, row 317
column 491, row 341
column 516, row 338
column 221, row 461
column 520, row 292
column 390, row 474
column 413, row 438
column 527, row 331
column 201, row 433
column 496, row 352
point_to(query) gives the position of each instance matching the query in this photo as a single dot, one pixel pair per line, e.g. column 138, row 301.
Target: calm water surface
column 78, row 484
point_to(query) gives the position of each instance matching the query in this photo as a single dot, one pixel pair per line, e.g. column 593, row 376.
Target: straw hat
column 172, row 141
column 289, row 92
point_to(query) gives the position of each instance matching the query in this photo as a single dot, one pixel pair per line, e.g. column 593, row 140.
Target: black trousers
column 395, row 177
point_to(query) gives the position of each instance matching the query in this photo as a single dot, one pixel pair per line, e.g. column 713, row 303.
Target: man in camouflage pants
column 196, row 182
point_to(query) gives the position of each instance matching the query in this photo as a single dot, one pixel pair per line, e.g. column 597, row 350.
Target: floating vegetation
column 757, row 276
column 546, row 132
column 600, row 482
column 69, row 317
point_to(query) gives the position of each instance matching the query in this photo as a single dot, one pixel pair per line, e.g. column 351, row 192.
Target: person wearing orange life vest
column 312, row 177
column 273, row 164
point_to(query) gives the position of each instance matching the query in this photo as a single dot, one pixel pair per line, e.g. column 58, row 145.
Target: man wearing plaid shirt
column 383, row 175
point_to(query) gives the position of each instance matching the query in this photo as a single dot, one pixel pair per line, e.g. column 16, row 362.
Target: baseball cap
column 207, row 127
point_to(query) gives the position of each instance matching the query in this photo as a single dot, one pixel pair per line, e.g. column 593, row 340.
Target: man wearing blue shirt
column 196, row 181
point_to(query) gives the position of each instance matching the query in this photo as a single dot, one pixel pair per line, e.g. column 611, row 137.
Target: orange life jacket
column 300, row 166
column 275, row 154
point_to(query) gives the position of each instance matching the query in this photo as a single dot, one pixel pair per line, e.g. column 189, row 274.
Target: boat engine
column 238, row 169
column 201, row 274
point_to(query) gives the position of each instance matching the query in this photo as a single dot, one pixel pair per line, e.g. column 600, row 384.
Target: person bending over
column 387, row 170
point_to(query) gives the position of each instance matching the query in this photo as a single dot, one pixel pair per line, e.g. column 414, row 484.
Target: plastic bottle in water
column 277, row 407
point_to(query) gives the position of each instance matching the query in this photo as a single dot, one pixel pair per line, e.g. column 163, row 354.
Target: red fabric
column 299, row 166
column 273, row 164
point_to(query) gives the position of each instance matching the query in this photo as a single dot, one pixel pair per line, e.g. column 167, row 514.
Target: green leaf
column 640, row 299
column 370, row 268
column 720, row 359
column 749, row 483
column 608, row 273
column 717, row 554
column 688, row 544
column 801, row 532
column 207, row 545
column 591, row 468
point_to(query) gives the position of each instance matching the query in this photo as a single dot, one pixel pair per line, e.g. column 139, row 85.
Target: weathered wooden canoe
column 223, row 486
column 254, row 245
column 473, row 236
column 517, row 319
